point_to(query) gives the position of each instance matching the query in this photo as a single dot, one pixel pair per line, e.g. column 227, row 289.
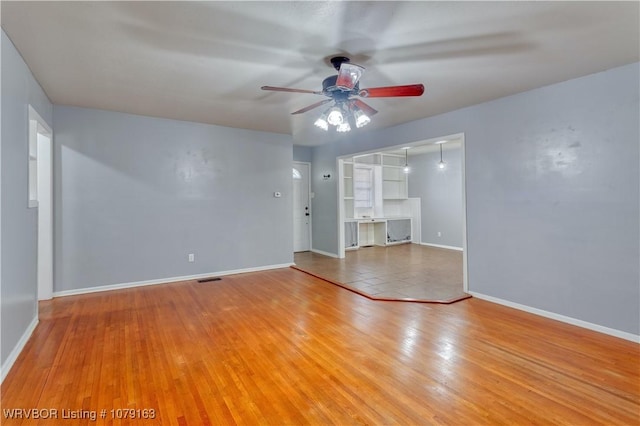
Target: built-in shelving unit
column 389, row 220
column 351, row 235
column 347, row 182
column 398, row 231
column 394, row 179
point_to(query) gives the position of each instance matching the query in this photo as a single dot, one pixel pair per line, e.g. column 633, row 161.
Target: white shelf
column 394, row 189
column 371, row 159
column 393, row 160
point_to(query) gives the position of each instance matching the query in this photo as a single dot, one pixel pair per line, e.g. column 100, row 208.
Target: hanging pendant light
column 406, row 169
column 441, row 164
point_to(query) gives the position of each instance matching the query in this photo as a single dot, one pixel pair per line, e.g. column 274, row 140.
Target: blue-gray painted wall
column 135, row 195
column 18, row 288
column 440, row 193
column 302, row 153
column 552, row 187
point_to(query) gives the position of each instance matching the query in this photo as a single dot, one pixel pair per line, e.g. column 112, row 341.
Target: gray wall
column 552, row 187
column 302, row 153
column 324, row 204
column 440, row 192
column 18, row 301
column 134, row 195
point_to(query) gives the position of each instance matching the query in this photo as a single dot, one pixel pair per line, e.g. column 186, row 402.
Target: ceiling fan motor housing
column 336, row 61
column 329, row 88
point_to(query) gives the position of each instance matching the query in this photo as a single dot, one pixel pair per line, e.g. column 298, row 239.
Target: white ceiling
column 206, row 61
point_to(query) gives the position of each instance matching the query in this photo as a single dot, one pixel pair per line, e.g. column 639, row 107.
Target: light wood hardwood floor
column 282, row 347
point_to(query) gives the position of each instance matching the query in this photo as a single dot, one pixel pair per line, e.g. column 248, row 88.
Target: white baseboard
column 569, row 320
column 13, row 356
column 441, row 246
column 324, row 253
column 165, row 280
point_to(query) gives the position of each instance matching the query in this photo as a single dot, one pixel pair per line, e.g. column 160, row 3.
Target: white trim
column 341, row 212
column 442, row 246
column 45, row 216
column 13, row 356
column 166, row 280
column 33, row 115
column 325, row 253
column 41, row 135
column 465, row 252
column 569, row 320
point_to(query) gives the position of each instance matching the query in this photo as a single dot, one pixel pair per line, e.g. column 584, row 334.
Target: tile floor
column 406, row 272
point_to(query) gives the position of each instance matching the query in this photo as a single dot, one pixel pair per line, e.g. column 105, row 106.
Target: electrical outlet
column 439, row 234
column 192, row 257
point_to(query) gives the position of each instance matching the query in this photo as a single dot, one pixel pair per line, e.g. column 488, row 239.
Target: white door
column 301, row 208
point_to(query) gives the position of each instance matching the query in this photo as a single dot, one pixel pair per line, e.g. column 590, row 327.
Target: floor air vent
column 206, row 280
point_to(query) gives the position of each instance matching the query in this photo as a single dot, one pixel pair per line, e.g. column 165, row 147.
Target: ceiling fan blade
column 364, row 107
column 349, row 75
column 286, row 89
column 392, row 91
column 312, row 106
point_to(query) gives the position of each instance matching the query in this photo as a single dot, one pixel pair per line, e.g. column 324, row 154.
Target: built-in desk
column 378, row 231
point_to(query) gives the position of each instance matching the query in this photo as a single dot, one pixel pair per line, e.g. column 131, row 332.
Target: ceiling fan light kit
column 342, row 90
column 344, row 127
column 335, row 116
column 361, row 118
column 322, row 123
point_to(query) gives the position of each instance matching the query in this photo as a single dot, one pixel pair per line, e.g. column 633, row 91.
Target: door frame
column 44, row 263
column 308, row 164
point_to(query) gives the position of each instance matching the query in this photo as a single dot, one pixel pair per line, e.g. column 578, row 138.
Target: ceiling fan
column 343, row 89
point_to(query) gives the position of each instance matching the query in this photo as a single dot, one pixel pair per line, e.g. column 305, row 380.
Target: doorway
column 41, row 197
column 301, row 207
column 401, row 203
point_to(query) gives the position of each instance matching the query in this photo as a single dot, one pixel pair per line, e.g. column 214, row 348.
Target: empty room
column 320, row 212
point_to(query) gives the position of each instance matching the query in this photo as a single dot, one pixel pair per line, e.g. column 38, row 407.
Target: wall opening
column 41, row 197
